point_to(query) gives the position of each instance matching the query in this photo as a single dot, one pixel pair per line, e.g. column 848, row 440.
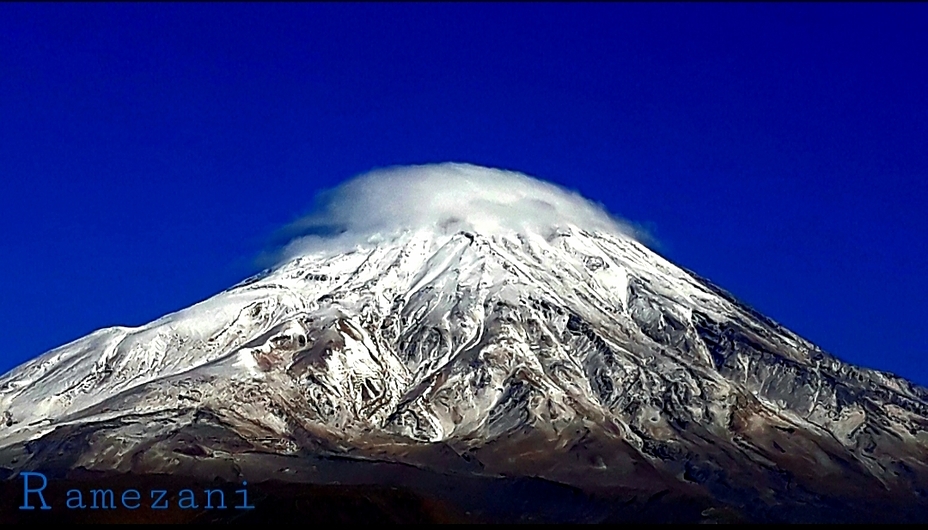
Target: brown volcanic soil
column 316, row 488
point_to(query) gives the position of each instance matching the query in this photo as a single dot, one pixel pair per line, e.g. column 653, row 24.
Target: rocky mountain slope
column 537, row 364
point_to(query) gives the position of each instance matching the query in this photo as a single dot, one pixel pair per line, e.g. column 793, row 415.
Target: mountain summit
column 490, row 345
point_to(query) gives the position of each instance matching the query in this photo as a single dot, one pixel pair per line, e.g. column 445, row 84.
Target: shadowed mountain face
column 564, row 376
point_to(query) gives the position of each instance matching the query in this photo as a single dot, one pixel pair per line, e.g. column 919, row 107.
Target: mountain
column 449, row 371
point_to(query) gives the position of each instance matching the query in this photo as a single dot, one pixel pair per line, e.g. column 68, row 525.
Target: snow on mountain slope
column 479, row 332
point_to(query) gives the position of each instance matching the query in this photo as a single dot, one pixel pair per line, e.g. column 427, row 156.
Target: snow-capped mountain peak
column 488, row 332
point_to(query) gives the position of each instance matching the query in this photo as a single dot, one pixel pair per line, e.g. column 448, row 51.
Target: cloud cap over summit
column 449, row 197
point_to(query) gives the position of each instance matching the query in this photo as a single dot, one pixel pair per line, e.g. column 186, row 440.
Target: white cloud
column 448, row 197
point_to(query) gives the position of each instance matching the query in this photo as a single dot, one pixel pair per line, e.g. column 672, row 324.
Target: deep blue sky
column 149, row 153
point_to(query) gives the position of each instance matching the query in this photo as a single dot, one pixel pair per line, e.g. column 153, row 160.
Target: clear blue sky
column 148, row 153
